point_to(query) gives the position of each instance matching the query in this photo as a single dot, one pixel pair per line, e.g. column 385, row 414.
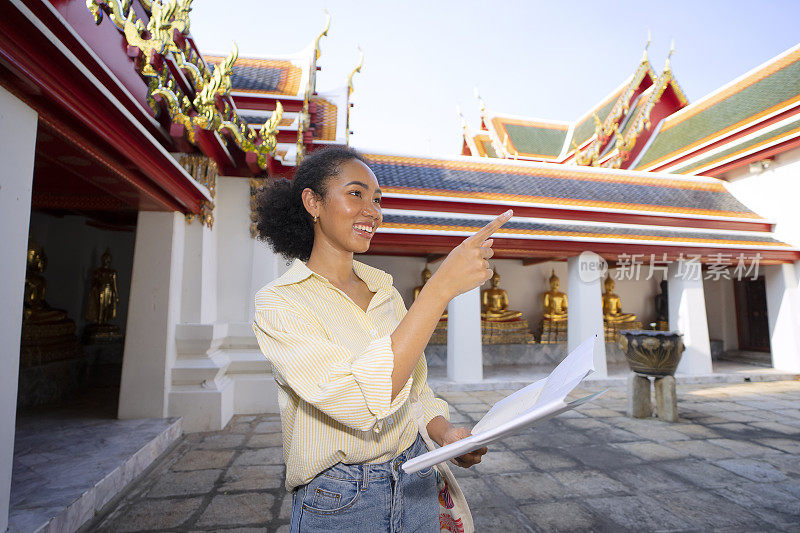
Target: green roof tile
column 585, row 128
column 768, row 92
column 488, row 148
column 532, row 140
column 755, row 140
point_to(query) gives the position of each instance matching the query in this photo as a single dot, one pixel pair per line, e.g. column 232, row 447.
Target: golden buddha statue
column 494, row 303
column 439, row 335
column 35, row 309
column 102, row 304
column 426, row 275
column 554, row 302
column 612, row 305
column 103, row 297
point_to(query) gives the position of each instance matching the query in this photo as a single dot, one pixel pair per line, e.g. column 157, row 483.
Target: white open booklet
column 528, row 406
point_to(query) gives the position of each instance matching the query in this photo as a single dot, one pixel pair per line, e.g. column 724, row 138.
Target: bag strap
column 460, row 506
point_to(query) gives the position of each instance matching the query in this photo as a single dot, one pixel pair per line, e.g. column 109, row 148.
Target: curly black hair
column 280, row 216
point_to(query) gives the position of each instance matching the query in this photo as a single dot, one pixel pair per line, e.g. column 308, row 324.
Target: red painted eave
column 53, row 84
column 267, row 102
column 421, row 245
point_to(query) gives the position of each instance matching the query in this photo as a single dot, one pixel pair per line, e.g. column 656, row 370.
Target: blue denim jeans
column 369, row 498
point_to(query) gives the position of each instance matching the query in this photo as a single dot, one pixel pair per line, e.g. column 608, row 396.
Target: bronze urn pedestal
column 656, row 354
column 652, row 353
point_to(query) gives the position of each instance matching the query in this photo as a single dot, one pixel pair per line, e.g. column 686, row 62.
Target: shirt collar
column 375, row 278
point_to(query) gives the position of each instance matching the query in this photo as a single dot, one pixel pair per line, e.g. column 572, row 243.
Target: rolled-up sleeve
column 354, row 390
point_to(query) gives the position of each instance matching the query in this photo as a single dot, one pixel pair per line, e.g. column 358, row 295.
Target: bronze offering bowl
column 653, row 353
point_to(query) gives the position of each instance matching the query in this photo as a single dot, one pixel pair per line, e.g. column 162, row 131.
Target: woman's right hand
column 467, row 265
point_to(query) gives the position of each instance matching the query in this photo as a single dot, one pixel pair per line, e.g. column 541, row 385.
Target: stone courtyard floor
column 732, row 463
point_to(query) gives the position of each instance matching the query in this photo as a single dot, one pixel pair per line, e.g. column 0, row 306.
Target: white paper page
column 532, row 404
column 533, row 417
column 569, row 372
column 510, row 407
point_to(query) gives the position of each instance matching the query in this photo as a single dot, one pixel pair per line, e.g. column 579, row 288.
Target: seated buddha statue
column 426, row 275
column 494, row 303
column 554, row 302
column 35, row 309
column 612, row 305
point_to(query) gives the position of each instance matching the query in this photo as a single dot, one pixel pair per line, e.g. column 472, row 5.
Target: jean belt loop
column 365, row 479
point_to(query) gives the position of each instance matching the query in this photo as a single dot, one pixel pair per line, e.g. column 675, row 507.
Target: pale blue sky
column 548, row 59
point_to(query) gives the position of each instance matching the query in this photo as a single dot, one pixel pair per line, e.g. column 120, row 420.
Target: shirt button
column 373, row 333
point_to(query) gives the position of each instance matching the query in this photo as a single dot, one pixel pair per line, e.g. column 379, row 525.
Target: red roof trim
column 64, row 88
column 420, row 245
column 725, row 140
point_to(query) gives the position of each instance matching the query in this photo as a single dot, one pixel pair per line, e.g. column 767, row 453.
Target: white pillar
column 153, row 313
column 245, row 265
column 267, row 265
column 464, row 350
column 585, row 307
column 783, row 313
column 17, row 146
column 199, row 294
column 687, row 315
column 199, row 389
column 235, row 250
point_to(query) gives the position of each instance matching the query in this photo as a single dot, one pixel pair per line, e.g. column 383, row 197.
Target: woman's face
column 351, row 210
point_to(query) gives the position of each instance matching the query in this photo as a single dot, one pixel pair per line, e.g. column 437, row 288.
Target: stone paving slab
column 731, row 463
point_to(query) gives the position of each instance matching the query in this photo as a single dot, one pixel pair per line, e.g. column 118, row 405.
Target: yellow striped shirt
column 333, row 364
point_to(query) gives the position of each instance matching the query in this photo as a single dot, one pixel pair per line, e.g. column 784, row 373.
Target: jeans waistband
column 363, row 471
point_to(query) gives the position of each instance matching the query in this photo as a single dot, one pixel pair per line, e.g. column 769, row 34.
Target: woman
column 347, row 355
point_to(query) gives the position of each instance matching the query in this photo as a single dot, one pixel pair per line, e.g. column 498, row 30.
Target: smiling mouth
column 364, row 230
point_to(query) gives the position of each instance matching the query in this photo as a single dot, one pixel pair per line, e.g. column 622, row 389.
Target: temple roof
column 483, row 143
column 430, row 204
column 555, row 141
column 533, row 138
column 558, row 185
column 764, row 137
column 587, row 231
column 753, row 98
column 267, row 76
column 584, row 127
column 325, row 119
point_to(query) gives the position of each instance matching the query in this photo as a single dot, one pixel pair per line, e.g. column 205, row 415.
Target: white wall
column 235, row 249
column 772, row 193
column 525, row 284
column 73, row 251
column 18, row 125
column 638, row 295
column 721, row 312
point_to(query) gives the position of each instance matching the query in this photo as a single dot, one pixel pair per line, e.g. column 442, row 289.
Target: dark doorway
column 751, row 314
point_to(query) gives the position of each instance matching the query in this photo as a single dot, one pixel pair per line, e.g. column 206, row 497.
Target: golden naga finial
column 481, row 103
column 355, row 70
column 667, row 65
column 644, row 54
column 598, row 125
column 201, row 106
column 349, row 93
column 270, row 127
column 321, row 35
column 462, row 119
column 618, row 136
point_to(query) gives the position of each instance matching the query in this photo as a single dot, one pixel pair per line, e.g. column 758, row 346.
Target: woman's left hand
column 468, row 459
